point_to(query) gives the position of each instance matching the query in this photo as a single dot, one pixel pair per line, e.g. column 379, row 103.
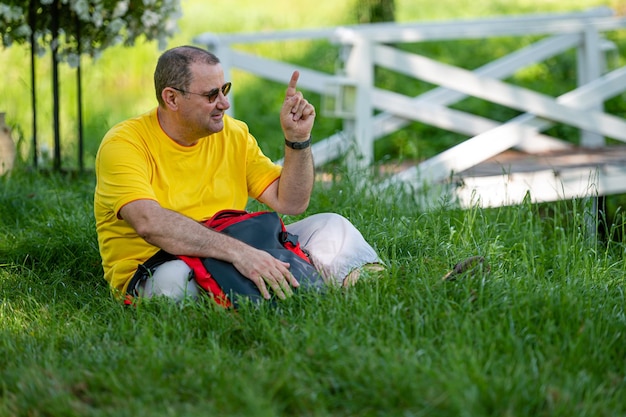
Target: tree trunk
column 32, row 20
column 55, row 85
column 79, row 99
column 374, row 11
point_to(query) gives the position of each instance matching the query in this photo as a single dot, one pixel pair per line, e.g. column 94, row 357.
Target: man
column 159, row 175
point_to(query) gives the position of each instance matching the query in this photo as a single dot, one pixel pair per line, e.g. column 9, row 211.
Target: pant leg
column 172, row 279
column 336, row 247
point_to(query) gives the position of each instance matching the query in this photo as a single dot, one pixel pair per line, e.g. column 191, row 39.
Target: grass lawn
column 541, row 333
column 538, row 333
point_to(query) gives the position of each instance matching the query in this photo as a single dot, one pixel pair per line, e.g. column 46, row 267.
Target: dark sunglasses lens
column 226, row 88
column 216, row 92
column 213, row 95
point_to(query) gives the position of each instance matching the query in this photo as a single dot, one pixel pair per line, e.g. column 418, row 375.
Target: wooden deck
column 511, row 161
column 508, row 177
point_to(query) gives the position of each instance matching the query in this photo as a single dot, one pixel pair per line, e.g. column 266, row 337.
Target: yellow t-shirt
column 137, row 160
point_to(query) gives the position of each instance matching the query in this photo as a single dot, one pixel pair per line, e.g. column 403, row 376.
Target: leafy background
column 118, row 84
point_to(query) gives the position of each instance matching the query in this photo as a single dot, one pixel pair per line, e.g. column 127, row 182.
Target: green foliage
column 85, row 26
column 373, row 11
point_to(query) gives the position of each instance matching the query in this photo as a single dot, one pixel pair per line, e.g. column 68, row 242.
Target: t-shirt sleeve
column 261, row 171
column 123, row 174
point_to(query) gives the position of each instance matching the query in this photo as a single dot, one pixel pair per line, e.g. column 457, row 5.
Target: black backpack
column 221, row 280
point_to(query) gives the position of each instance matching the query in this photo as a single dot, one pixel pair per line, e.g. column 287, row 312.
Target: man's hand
column 263, row 269
column 291, row 193
column 297, row 115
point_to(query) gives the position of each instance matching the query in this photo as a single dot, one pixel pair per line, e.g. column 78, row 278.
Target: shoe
column 369, row 269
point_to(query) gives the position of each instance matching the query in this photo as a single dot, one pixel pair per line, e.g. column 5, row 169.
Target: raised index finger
column 291, row 88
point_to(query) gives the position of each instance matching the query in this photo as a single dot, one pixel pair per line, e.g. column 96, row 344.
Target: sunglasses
column 211, row 95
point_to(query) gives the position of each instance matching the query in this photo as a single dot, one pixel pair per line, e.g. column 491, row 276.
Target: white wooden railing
column 351, row 95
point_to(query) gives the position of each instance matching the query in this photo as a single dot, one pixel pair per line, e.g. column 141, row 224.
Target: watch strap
column 298, row 145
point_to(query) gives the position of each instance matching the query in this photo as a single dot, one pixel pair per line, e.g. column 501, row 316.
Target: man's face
column 201, row 116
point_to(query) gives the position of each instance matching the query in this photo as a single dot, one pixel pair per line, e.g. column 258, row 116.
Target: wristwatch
column 298, row 145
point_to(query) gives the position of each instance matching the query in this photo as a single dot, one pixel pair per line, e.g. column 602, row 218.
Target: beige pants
column 335, row 246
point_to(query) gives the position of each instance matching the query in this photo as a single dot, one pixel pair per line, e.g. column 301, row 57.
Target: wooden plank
column 540, row 23
column 495, row 141
column 507, row 178
column 512, row 162
column 281, row 71
column 540, row 186
column 210, row 39
column 505, row 94
column 386, row 122
column 449, row 119
column 466, row 154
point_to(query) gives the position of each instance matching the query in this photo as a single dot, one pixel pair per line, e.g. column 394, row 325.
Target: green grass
column 540, row 334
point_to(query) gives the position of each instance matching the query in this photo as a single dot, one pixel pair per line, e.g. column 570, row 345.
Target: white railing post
column 590, row 64
column 359, row 67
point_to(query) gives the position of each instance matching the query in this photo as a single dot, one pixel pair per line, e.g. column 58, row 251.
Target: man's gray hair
column 173, row 68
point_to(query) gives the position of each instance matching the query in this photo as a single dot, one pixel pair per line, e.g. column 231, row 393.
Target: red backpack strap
column 223, row 219
column 205, row 280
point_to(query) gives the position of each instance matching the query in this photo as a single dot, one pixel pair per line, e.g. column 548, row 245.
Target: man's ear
column 170, row 98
